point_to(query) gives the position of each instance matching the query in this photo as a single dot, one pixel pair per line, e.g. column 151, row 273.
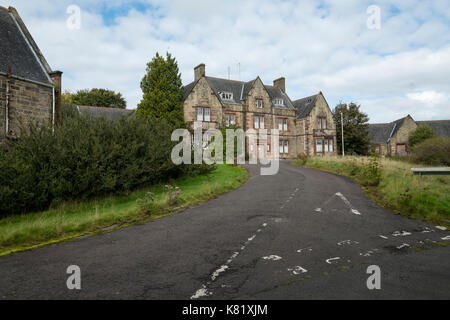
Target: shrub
column 434, row 151
column 85, row 158
column 302, row 159
column 371, row 173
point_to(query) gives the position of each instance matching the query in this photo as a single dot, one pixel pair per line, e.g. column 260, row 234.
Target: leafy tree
column 356, row 129
column 97, row 98
column 66, row 97
column 163, row 91
column 420, row 135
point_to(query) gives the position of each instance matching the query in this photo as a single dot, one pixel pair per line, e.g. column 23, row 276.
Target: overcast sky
column 401, row 68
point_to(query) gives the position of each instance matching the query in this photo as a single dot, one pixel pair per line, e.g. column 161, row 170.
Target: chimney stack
column 280, row 84
column 199, row 71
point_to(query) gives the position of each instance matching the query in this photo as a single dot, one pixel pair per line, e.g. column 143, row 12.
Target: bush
column 371, row 172
column 85, row 158
column 435, row 152
column 302, row 159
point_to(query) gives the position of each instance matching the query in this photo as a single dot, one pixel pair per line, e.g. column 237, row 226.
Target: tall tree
column 163, row 91
column 420, row 135
column 97, row 98
column 356, row 129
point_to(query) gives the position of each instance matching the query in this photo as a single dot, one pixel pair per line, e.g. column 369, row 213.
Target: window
column 330, row 145
column 278, row 102
column 230, row 119
column 203, row 114
column 226, row 96
column 259, row 103
column 284, row 146
column 321, row 122
column 268, row 148
column 319, row 146
column 258, row 122
column 283, row 124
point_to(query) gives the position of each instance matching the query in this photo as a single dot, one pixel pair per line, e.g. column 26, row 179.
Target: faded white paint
column 441, row 228
column 297, row 270
column 330, row 261
column 202, row 292
column 401, row 234
column 383, row 237
column 347, row 242
column 405, row 245
column 446, row 238
column 347, row 202
column 272, row 257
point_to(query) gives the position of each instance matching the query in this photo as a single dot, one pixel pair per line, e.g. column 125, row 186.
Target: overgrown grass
column 398, row 189
column 72, row 220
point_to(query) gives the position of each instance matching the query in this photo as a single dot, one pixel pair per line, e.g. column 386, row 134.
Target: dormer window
column 228, row 96
column 278, row 102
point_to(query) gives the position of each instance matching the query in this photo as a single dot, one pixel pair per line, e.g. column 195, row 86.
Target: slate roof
column 305, row 105
column 380, row 132
column 239, row 89
column 16, row 53
column 99, row 112
column 442, row 127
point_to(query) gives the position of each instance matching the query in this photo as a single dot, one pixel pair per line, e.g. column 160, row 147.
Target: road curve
column 301, row 234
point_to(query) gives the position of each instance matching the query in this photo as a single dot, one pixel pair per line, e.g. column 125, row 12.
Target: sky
column 393, row 63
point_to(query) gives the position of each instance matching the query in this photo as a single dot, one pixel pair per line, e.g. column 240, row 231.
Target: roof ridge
column 105, row 108
column 4, row 8
column 228, row 79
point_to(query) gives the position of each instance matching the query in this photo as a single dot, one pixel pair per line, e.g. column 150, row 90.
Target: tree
column 66, row 97
column 97, row 98
column 420, row 135
column 356, row 129
column 162, row 91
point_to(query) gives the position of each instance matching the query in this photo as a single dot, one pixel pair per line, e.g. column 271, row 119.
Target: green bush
column 85, row 158
column 302, row 159
column 434, row 151
column 420, row 135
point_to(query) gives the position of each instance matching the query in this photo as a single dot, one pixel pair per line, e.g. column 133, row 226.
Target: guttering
column 48, row 85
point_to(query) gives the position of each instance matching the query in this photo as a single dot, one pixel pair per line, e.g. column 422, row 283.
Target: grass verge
column 397, row 188
column 74, row 220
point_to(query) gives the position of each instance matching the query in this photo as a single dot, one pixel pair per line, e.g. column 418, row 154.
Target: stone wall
column 402, row 135
column 29, row 103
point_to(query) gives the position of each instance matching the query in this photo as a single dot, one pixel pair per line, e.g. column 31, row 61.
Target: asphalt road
column 301, row 234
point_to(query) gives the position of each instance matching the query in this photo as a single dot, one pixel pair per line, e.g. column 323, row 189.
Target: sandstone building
column 305, row 125
column 392, row 138
column 30, row 91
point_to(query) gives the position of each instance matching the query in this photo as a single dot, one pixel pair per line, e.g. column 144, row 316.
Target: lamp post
column 342, row 130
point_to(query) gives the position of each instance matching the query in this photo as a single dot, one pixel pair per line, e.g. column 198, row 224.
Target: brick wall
column 402, row 135
column 29, row 103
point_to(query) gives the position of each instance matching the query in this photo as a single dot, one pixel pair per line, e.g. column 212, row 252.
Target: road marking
column 401, row 234
column 318, row 210
column 330, row 261
column 347, row 242
column 441, row 228
column 384, row 237
column 203, row 291
column 301, row 250
column 297, row 270
column 272, row 257
column 405, row 245
column 446, row 238
column 343, row 198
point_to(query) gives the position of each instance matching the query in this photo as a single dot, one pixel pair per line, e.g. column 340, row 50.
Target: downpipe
column 8, row 94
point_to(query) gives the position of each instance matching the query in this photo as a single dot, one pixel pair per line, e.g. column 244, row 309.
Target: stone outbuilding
column 30, row 91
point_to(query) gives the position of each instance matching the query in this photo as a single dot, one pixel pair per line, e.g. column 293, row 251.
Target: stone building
column 392, row 138
column 305, row 126
column 30, row 91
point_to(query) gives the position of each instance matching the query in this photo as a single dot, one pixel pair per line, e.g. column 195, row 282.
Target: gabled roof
column 239, row 89
column 380, row 132
column 18, row 50
column 383, row 132
column 305, row 105
column 441, row 127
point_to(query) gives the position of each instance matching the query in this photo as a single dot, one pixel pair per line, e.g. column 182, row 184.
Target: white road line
column 401, row 234
column 441, row 228
column 383, row 237
column 347, row 242
column 405, row 245
column 340, row 195
column 446, row 238
column 272, row 257
column 203, row 291
column 330, row 261
column 297, row 270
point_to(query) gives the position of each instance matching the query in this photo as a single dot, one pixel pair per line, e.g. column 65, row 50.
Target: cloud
column 318, row 46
